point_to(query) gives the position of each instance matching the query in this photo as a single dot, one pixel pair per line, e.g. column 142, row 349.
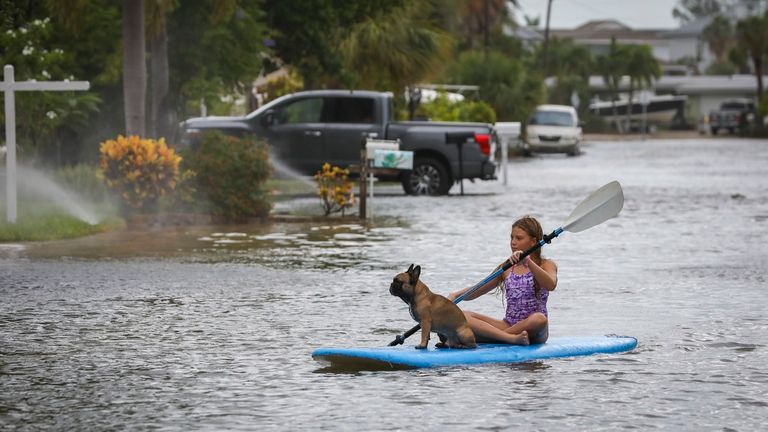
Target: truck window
column 348, row 110
column 301, row 111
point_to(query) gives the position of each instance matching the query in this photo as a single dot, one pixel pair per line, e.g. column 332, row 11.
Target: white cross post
column 9, row 86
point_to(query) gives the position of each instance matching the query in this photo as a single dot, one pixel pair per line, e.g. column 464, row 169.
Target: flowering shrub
column 139, row 170
column 335, row 189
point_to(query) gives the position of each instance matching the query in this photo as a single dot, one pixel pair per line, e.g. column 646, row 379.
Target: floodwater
column 211, row 328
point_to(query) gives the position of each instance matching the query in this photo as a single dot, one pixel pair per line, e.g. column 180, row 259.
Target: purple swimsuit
column 521, row 298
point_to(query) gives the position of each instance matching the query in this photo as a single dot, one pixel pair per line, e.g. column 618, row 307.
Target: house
column 672, row 48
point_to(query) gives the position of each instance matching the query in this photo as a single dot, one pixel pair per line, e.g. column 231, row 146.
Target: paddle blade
column 603, row 204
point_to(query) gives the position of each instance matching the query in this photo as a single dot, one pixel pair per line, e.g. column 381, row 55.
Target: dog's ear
column 410, row 269
column 415, row 274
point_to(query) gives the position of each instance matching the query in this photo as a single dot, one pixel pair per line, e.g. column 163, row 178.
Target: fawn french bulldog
column 434, row 312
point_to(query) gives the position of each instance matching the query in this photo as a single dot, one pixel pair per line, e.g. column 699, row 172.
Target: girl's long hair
column 532, row 227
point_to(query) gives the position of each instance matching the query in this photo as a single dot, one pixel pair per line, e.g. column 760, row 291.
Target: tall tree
column 216, row 48
column 643, row 69
column 611, row 67
column 161, row 116
column 719, row 35
column 752, row 33
column 508, row 84
column 391, row 50
column 478, row 18
column 134, row 67
column 571, row 65
column 307, row 33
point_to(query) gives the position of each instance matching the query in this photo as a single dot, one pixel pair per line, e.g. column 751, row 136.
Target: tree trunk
column 134, row 67
column 160, row 116
column 757, row 62
column 631, row 94
column 614, row 95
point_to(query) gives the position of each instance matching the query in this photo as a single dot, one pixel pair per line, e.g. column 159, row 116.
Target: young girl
column 526, row 285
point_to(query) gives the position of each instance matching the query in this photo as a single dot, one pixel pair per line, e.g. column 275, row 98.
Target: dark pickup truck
column 732, row 115
column 307, row 129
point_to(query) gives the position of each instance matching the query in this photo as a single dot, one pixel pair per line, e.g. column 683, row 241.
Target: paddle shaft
column 399, row 339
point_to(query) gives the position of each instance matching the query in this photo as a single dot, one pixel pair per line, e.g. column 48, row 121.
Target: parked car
column 553, row 129
column 307, row 129
column 732, row 115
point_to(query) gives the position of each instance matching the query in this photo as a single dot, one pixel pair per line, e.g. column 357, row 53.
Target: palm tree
column 719, row 35
column 393, row 49
column 161, row 115
column 134, row 67
column 642, row 68
column 571, row 65
column 752, row 33
column 479, row 16
column 611, row 67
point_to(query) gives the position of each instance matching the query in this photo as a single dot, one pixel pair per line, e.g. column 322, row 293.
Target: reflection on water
column 330, row 244
column 212, row 327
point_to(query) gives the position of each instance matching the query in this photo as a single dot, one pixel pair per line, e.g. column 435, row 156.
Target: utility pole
column 486, row 38
column 546, row 37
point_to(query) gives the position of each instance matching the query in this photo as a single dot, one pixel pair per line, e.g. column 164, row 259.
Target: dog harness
column 521, row 298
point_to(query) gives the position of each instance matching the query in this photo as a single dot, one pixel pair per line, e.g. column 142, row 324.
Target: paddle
column 603, row 204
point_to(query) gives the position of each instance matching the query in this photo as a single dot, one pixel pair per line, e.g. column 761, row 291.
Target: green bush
column 442, row 109
column 83, row 179
column 595, row 124
column 230, row 176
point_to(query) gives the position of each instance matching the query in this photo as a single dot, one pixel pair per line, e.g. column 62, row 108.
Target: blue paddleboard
column 409, row 357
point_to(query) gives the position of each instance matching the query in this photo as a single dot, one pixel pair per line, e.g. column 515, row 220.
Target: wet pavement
column 212, row 327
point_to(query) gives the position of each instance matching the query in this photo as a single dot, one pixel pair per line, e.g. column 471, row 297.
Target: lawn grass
column 53, row 227
column 286, row 188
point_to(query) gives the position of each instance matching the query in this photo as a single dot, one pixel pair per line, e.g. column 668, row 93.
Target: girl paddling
column 526, row 286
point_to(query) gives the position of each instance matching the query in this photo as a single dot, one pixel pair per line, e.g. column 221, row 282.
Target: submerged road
column 212, row 327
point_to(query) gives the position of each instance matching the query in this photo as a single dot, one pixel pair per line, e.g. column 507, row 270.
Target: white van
column 553, row 129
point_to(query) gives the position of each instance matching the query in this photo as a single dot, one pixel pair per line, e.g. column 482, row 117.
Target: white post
column 9, row 86
column 506, row 131
column 10, row 145
column 504, row 158
column 370, row 195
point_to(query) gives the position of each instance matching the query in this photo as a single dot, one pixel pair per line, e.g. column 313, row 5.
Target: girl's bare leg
column 488, row 329
column 537, row 326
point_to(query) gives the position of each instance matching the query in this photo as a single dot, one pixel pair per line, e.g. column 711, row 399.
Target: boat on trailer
column 661, row 109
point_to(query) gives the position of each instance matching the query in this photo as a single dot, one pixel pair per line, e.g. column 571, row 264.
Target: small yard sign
column 9, row 86
column 395, row 159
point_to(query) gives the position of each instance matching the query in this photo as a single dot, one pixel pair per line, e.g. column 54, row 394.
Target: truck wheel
column 428, row 177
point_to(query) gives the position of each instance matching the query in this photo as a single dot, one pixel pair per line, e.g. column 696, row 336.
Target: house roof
column 605, row 30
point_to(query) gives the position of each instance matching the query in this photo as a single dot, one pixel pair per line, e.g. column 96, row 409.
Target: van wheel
column 428, row 177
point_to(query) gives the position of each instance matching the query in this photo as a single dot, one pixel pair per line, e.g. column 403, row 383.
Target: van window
column 552, row 118
column 348, row 110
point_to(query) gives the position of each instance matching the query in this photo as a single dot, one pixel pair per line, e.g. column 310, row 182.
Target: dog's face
column 404, row 284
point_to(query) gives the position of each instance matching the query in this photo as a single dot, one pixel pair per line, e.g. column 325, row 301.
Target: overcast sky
column 637, row 14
